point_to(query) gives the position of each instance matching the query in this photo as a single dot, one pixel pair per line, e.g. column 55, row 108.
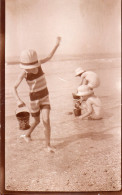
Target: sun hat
column 84, row 90
column 79, row 71
column 29, row 59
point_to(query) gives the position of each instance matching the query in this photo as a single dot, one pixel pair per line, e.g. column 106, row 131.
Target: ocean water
column 61, row 81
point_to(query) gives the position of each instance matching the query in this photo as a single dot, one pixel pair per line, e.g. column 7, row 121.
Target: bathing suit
column 39, row 95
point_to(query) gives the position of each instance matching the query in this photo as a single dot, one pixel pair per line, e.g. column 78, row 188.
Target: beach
column 88, row 152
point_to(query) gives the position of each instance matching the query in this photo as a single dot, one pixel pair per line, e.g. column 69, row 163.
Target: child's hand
column 80, row 117
column 58, row 40
column 77, row 104
column 20, row 103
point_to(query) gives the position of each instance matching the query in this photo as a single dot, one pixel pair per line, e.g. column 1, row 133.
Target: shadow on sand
column 73, row 138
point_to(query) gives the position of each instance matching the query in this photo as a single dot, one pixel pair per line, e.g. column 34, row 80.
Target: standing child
column 89, row 78
column 39, row 95
column 90, row 103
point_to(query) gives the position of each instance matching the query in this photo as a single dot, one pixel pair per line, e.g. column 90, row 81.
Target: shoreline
column 101, row 56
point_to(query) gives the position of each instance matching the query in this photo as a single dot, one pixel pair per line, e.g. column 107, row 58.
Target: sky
column 86, row 26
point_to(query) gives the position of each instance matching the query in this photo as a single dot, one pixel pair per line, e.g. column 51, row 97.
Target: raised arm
column 52, row 52
column 20, row 103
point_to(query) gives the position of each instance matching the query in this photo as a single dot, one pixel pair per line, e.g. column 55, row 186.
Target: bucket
column 77, row 111
column 76, row 99
column 23, row 116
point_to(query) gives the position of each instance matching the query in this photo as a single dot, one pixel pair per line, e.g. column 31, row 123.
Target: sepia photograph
column 62, row 96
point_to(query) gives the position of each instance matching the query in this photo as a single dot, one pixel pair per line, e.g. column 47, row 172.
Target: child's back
column 90, row 104
column 92, row 78
column 95, row 102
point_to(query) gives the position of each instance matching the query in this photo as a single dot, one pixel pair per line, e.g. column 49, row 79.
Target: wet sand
column 88, row 153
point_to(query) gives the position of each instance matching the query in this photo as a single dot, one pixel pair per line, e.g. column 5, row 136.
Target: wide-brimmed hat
column 29, row 59
column 79, row 71
column 84, row 90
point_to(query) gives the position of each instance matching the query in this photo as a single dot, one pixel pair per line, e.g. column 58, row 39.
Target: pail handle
column 21, row 109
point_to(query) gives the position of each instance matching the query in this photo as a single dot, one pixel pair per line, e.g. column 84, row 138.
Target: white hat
column 79, row 71
column 84, row 90
column 29, row 59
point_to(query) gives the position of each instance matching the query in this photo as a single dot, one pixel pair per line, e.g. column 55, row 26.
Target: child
column 88, row 78
column 39, row 95
column 90, row 104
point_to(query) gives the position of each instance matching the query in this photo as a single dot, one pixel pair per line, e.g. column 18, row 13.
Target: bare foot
column 50, row 149
column 26, row 138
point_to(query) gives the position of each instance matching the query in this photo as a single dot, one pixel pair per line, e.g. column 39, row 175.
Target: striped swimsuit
column 39, row 95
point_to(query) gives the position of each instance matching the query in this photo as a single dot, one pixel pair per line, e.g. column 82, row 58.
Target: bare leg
column 34, row 124
column 47, row 131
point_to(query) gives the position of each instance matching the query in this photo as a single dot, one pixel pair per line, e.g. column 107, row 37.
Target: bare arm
column 20, row 103
column 82, row 79
column 89, row 110
column 52, row 52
